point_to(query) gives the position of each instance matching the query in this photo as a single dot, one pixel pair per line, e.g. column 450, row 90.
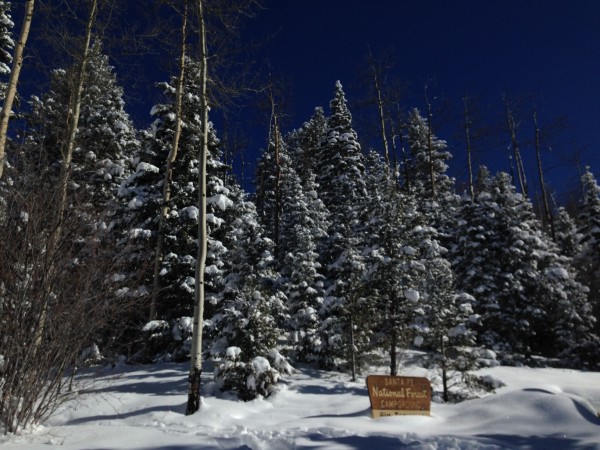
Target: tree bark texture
column 194, row 392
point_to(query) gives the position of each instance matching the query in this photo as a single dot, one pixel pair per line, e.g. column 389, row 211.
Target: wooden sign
column 399, row 396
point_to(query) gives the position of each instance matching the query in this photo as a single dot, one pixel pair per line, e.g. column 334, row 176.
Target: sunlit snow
column 133, row 407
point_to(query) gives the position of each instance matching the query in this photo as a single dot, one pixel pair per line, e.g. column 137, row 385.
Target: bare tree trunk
column 407, row 181
column 512, row 127
column 352, row 348
column 275, row 135
column 429, row 146
column 548, row 218
column 393, row 353
column 65, row 171
column 469, row 148
column 393, row 337
column 193, row 403
column 158, row 256
column 445, row 392
column 377, row 83
column 11, row 89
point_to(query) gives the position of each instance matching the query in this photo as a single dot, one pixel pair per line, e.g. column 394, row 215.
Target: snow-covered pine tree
column 249, row 311
column 567, row 235
column 141, row 196
column 393, row 275
column 105, row 140
column 268, row 185
column 428, row 159
column 304, row 223
column 305, row 143
column 340, row 175
column 430, row 183
column 524, row 279
column 588, row 259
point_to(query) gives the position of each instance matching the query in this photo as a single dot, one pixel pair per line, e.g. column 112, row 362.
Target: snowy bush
column 250, row 379
column 167, row 341
column 90, row 356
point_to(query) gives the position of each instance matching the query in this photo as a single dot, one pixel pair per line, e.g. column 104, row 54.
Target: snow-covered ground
column 142, row 408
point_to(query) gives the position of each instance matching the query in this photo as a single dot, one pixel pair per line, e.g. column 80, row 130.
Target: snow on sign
column 399, row 396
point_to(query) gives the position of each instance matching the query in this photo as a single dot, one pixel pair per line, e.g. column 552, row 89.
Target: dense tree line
column 342, row 251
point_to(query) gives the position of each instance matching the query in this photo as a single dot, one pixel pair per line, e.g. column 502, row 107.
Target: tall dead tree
column 380, row 107
column 276, row 136
column 512, row 128
column 430, row 145
column 171, row 158
column 467, row 125
column 547, row 212
column 11, row 89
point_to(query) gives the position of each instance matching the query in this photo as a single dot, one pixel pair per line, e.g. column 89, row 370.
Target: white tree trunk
column 11, row 89
column 158, row 256
column 65, row 171
column 193, row 404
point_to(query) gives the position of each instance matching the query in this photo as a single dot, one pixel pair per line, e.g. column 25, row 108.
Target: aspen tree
column 65, row 170
column 11, row 90
column 227, row 18
column 164, row 209
column 193, row 403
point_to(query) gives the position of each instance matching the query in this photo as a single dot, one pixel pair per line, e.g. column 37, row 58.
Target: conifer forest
column 123, row 241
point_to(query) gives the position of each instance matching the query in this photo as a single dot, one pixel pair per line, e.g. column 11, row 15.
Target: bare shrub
column 57, row 297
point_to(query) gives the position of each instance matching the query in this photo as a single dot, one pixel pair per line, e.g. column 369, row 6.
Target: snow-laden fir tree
column 393, row 269
column 428, row 163
column 250, row 312
column 304, row 224
column 526, row 293
column 340, row 175
column 429, row 181
column 105, row 142
column 567, row 235
column 588, row 259
column 142, row 196
column 305, row 143
column 269, row 175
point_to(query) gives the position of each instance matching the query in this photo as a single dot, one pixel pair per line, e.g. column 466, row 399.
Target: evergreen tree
column 249, row 312
column 588, row 259
column 271, row 164
column 105, row 141
column 567, row 236
column 141, row 196
column 303, row 224
column 428, row 160
column 430, row 183
column 393, row 269
column 305, row 144
column 524, row 278
column 340, row 175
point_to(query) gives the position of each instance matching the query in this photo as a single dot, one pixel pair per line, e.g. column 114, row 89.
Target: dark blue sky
column 549, row 50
